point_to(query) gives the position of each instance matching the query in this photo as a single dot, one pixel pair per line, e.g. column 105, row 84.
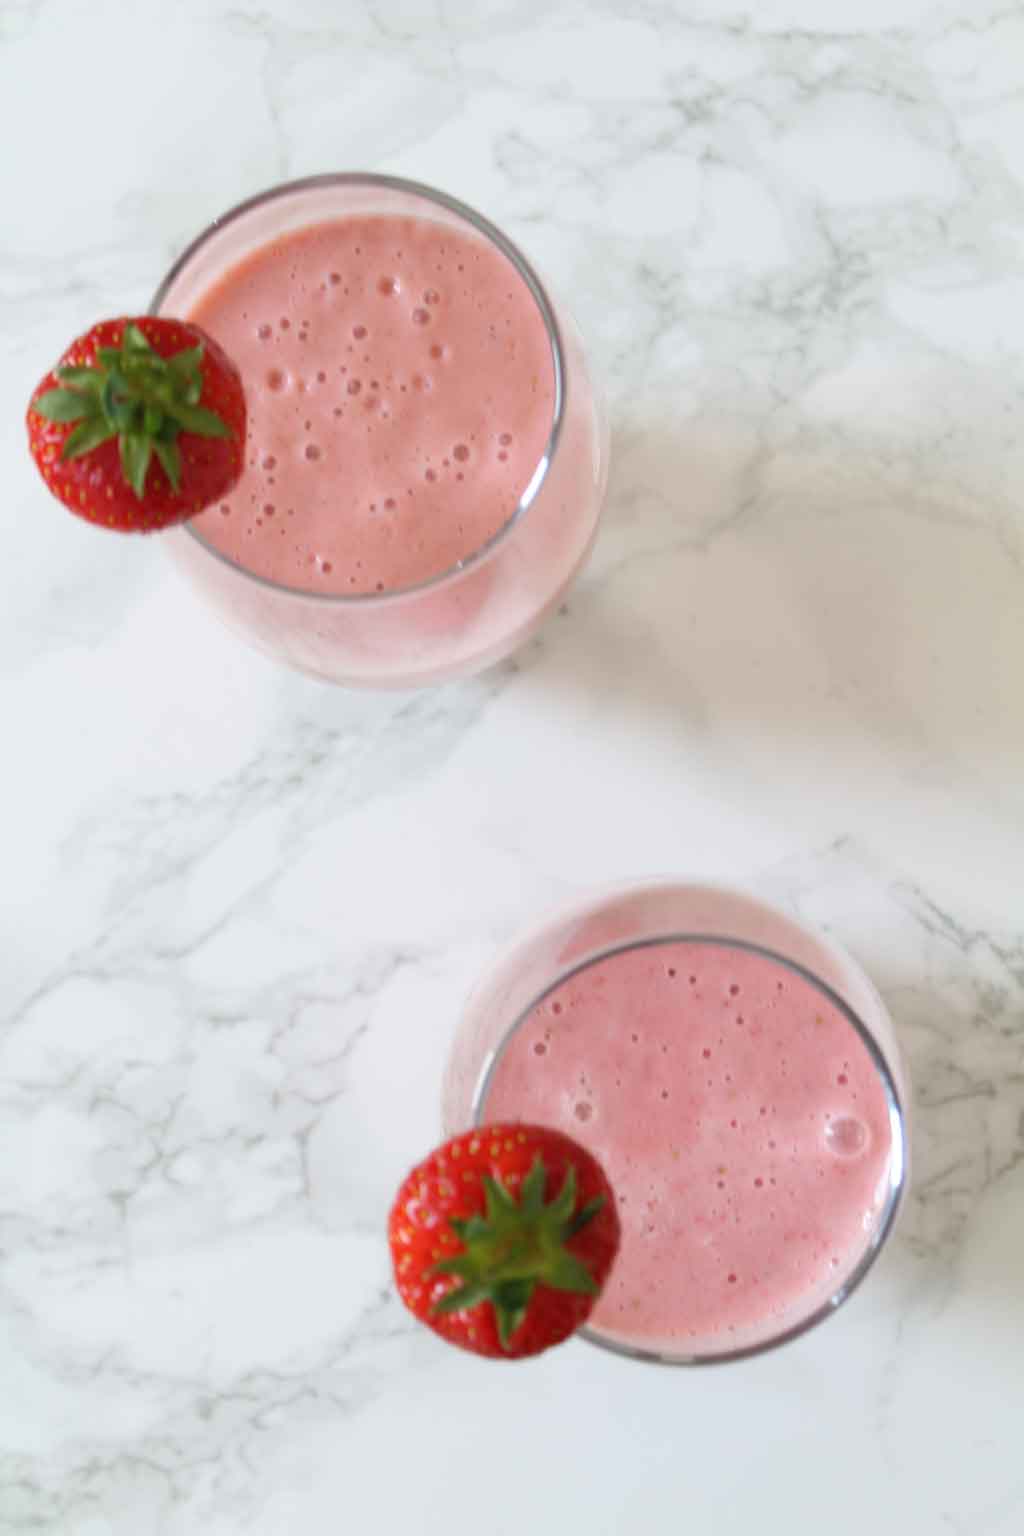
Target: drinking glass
column 485, row 607
column 648, row 917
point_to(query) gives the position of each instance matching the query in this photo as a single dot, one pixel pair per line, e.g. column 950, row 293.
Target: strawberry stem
column 516, row 1246
column 137, row 396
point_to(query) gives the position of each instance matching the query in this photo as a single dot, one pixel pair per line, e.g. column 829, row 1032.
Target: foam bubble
column 846, row 1137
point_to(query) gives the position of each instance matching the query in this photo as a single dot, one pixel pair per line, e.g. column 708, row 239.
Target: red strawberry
column 140, row 424
column 502, row 1239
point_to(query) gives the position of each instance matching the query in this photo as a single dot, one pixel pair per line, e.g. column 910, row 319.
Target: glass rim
column 896, row 1176
column 491, row 233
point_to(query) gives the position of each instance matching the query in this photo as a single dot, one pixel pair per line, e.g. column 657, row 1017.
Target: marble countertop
column 241, row 910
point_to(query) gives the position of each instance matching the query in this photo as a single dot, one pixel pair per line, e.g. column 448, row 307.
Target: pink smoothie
column 401, row 390
column 740, row 1119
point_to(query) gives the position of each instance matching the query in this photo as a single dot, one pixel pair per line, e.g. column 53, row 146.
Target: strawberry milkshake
column 425, row 459
column 747, row 1117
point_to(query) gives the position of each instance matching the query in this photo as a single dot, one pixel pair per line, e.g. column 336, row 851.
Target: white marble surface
column 240, row 910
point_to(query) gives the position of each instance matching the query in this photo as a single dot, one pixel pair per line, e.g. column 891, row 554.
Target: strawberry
column 502, row 1239
column 140, row 424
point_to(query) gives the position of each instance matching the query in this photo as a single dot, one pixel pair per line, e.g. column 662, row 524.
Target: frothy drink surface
column 741, row 1121
column 400, row 389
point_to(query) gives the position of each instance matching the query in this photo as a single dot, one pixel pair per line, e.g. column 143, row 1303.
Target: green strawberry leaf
column 169, row 455
column 569, row 1273
column 511, row 1301
column 136, row 450
column 533, row 1189
column 134, row 340
column 564, row 1203
column 462, row 1297
column 62, row 405
column 80, row 378
column 87, row 436
column 584, row 1215
column 204, row 423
